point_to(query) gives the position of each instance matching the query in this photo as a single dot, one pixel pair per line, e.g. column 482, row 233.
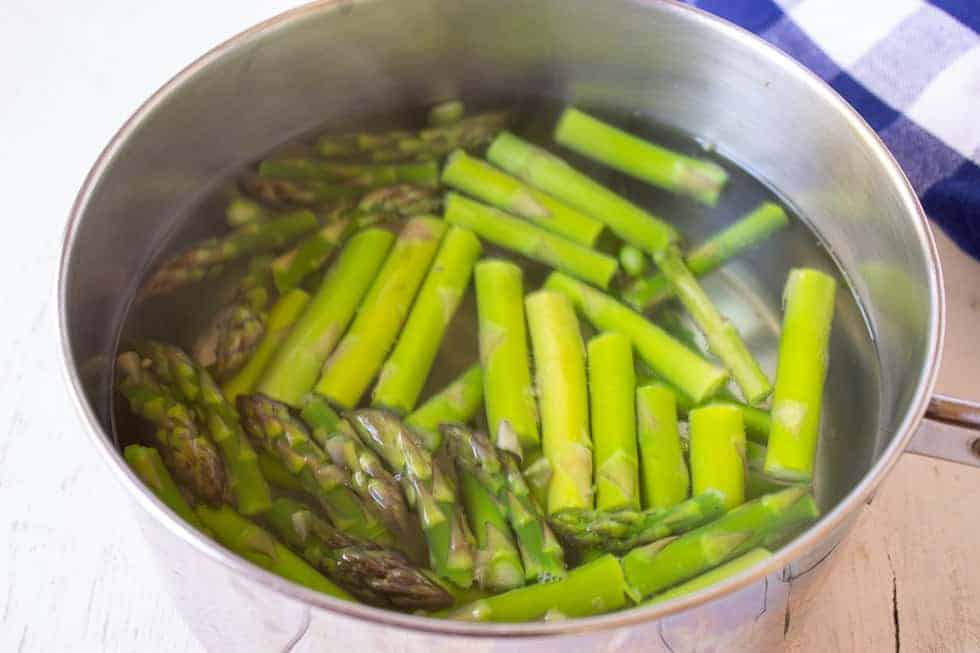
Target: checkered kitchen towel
column 911, row 68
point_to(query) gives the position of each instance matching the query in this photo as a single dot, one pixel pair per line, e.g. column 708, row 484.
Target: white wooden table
column 74, row 573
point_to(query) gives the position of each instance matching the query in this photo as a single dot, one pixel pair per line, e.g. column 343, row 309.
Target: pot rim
column 828, row 522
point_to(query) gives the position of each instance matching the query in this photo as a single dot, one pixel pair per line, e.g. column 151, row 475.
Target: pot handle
column 950, row 430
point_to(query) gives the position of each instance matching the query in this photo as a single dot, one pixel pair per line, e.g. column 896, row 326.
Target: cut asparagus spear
column 647, row 292
column 673, row 361
column 511, row 411
column 358, row 174
column 697, row 178
column 486, row 183
column 352, row 366
column 456, row 403
column 258, row 546
column 612, row 402
column 294, row 368
column 533, row 242
column 498, row 564
column 559, row 364
column 808, row 302
column 295, row 265
column 147, row 464
column 713, row 577
column 552, row 175
column 722, row 336
column 632, row 260
column 718, row 452
column 664, row 471
column 446, row 113
column 283, row 193
column 757, row 482
column 242, row 210
column 404, row 373
column 277, row 474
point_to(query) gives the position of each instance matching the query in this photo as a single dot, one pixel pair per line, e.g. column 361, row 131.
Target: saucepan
column 331, row 61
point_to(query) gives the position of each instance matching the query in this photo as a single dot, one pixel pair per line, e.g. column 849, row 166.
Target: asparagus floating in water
column 458, row 402
column 282, row 193
column 664, row 471
column 446, row 113
column 278, row 474
column 632, row 260
column 718, row 452
column 498, row 564
column 354, row 174
column 713, row 577
column 291, row 268
column 239, row 327
column 242, row 210
column 147, row 464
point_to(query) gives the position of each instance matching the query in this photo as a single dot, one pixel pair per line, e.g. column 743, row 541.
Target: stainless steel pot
column 330, row 60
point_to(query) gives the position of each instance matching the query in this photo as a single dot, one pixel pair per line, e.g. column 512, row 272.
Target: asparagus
column 355, row 174
column 498, row 564
column 284, row 193
column 700, row 179
column 808, row 311
column 147, row 464
column 432, row 492
column 397, row 201
column 632, row 260
column 242, row 210
column 646, row 292
column 756, row 420
column 664, row 471
column 511, row 412
column 499, row 189
column 718, row 452
column 533, row 242
column 272, row 426
column 550, row 174
column 258, row 546
column 404, row 373
column 187, row 451
column 594, row 588
column 757, row 482
column 680, row 366
column 655, row 567
column 713, row 577
column 295, row 265
column 354, row 363
column 294, row 368
column 499, row 473
column 203, row 259
column 612, row 402
column 623, row 530
column 457, row 402
column 282, row 316
column 278, row 474
column 559, row 363
column 375, row 575
column 722, row 336
column 240, row 326
column 446, row 113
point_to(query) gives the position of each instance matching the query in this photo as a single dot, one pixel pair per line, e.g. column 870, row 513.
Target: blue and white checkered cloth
column 911, row 68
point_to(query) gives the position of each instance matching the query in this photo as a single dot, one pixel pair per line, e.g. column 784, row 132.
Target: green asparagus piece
column 278, row 474
column 803, row 513
column 239, row 327
column 646, row 292
column 486, row 183
column 622, row 530
column 632, row 260
column 432, row 492
column 283, row 193
column 808, row 302
column 242, row 210
column 612, row 402
column 390, row 203
column 291, row 268
column 446, row 113
column 559, row 364
column 456, row 403
column 552, row 175
column 673, row 361
column 258, row 546
column 698, row 178
column 357, row 174
column 377, row 576
column 594, row 588
column 498, row 564
column 756, row 420
column 757, row 482
column 358, row 357
column 713, row 577
column 404, row 373
column 533, row 242
column 511, row 411
column 718, row 452
column 664, row 471
column 294, row 368
column 147, row 464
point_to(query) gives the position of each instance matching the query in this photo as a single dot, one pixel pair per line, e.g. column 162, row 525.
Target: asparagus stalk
column 623, row 530
column 594, row 588
column 808, row 311
column 147, row 464
column 718, row 452
column 456, row 403
column 533, row 242
column 486, row 183
column 498, row 564
column 559, row 363
column 203, row 259
column 282, row 316
column 258, row 546
column 238, row 328
column 358, row 357
column 375, row 575
column 242, row 210
column 698, row 178
column 446, row 113
column 284, row 193
column 664, row 471
column 278, row 474
column 632, row 260
column 294, row 368
column 291, row 268
column 272, row 426
column 673, row 361
column 655, row 567
column 646, row 292
column 432, row 493
column 757, row 482
column 397, row 201
column 722, row 336
column 612, row 402
column 404, row 373
column 511, row 412
column 355, row 174
column 552, row 175
column 713, row 577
